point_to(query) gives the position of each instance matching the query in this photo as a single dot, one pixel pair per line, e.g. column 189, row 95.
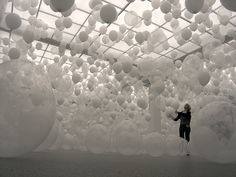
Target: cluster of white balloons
column 102, row 102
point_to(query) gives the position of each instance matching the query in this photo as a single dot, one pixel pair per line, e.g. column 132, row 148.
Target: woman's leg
column 181, row 135
column 187, row 133
column 181, row 131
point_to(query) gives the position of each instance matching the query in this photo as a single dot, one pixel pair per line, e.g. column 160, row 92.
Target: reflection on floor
column 78, row 164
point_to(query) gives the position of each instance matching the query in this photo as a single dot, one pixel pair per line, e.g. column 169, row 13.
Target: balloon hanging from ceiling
column 61, row 5
column 108, row 13
column 194, row 6
column 229, row 4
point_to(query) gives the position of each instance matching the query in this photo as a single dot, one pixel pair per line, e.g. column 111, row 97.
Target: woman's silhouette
column 185, row 119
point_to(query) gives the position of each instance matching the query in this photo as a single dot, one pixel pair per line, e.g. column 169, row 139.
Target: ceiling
column 80, row 21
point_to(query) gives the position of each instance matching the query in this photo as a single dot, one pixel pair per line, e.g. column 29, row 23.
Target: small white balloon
column 113, row 35
column 14, row 53
column 204, row 77
column 165, row 6
column 140, row 38
column 28, row 35
column 131, row 18
column 142, row 103
column 67, row 22
column 155, row 4
column 83, row 36
column 147, row 14
column 186, row 34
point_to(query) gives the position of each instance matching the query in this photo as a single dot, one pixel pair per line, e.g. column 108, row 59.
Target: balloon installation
column 114, row 85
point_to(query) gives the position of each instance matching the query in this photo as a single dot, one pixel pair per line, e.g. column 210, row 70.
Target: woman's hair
column 187, row 107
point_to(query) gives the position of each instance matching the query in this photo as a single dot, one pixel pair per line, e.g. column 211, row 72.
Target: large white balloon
column 108, row 13
column 174, row 145
column 13, row 21
column 61, row 5
column 97, row 139
column 27, row 106
column 229, row 4
column 165, row 6
column 194, row 6
column 154, row 144
column 214, row 135
column 126, row 138
column 51, row 139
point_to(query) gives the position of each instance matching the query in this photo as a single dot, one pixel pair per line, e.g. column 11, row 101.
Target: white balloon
column 127, row 65
column 193, row 26
column 142, row 103
column 194, row 6
column 178, row 63
column 214, row 138
column 14, row 53
column 117, row 67
column 147, row 14
column 113, row 35
column 154, row 144
column 140, row 38
column 126, row 138
column 120, row 99
column 67, row 22
column 108, row 13
column 158, row 87
column 229, row 4
column 155, row 4
column 83, row 36
column 76, row 77
column 61, row 5
column 39, row 46
column 176, row 13
column 131, row 18
column 186, row 34
column 94, row 3
column 204, row 77
column 165, row 6
column 28, row 35
column 103, row 29
column 97, row 139
column 33, row 113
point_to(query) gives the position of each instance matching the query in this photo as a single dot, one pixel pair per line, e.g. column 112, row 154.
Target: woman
column 185, row 119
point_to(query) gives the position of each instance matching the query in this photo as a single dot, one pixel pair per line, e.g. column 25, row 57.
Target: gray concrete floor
column 79, row 164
